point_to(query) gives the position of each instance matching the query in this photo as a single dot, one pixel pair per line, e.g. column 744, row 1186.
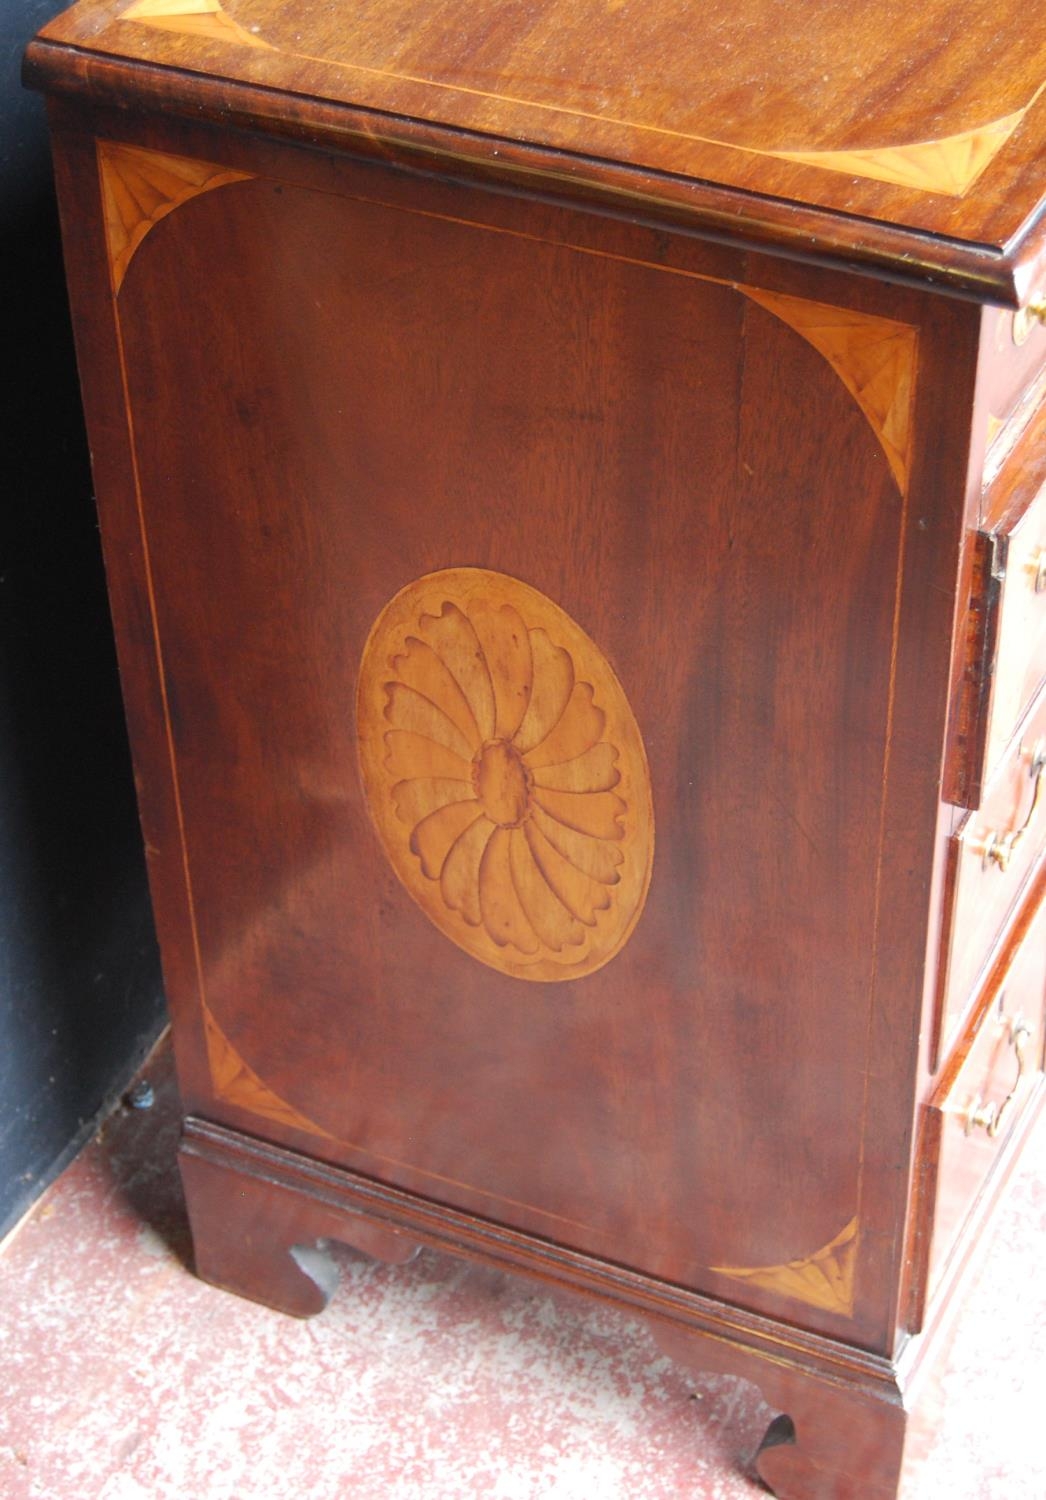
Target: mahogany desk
column 572, row 483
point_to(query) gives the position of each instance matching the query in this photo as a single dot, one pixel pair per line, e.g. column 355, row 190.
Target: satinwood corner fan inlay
column 139, row 188
column 506, row 774
column 950, row 165
column 234, row 1081
column 203, row 18
column 874, row 357
column 824, row 1279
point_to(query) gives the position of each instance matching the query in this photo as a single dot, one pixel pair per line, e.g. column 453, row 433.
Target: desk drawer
column 1013, row 356
column 989, row 860
column 1005, row 648
column 1020, row 645
column 987, row 1088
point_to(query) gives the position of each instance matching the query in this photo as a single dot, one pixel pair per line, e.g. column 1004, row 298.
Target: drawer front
column 979, row 1104
column 1003, row 655
column 1013, row 355
column 1020, row 654
column 989, row 860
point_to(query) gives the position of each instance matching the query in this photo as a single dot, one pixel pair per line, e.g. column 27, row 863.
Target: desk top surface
column 909, row 125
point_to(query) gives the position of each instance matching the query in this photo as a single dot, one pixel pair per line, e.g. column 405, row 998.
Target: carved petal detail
column 139, row 188
column 204, row 18
column 824, row 1279
column 875, row 358
column 237, row 1083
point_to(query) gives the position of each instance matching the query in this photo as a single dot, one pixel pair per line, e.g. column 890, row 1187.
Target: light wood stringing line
column 210, row 176
column 874, row 357
column 949, row 166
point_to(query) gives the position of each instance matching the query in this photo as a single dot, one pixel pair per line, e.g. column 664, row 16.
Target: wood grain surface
column 308, row 501
column 458, row 537
column 927, row 120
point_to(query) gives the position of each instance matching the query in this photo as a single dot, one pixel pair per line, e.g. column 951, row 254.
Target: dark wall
column 80, row 995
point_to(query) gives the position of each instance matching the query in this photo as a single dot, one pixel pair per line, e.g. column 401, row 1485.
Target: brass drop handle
column 990, row 1117
column 999, row 847
column 1024, row 320
column 1038, row 570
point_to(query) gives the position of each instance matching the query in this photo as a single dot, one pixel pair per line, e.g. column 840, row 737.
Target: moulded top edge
column 910, row 145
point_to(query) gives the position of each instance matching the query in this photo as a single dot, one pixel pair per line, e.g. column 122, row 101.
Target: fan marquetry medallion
column 505, row 774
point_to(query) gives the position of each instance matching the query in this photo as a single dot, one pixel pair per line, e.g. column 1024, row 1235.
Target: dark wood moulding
column 1006, row 274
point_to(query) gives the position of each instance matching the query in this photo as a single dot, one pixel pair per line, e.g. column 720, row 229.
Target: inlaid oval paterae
column 505, row 774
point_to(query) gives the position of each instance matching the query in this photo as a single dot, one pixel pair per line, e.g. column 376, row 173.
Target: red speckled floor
column 124, row 1378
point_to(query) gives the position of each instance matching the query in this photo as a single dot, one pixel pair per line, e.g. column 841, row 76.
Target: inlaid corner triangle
column 204, row 18
column 950, row 166
column 824, row 1279
column 139, row 188
column 874, row 357
column 237, row 1083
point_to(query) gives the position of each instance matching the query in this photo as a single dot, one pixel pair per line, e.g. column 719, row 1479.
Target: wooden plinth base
column 261, row 1217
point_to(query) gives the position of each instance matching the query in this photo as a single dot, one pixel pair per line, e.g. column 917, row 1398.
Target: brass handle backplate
column 1025, row 320
column 1038, row 571
column 990, row 1117
column 999, row 848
